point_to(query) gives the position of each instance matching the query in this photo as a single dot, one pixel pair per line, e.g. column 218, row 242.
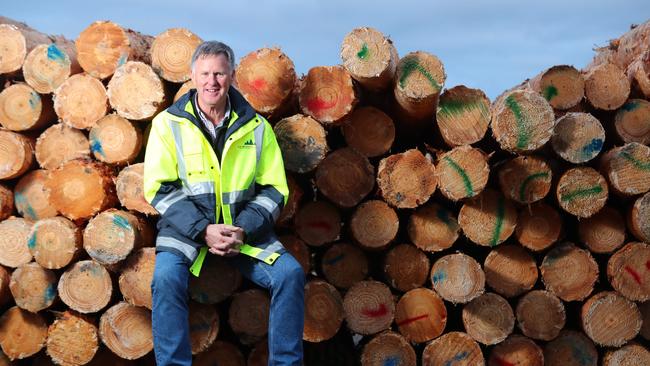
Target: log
column 631, row 44
column 126, row 330
column 406, row 267
column 570, row 348
column 13, row 46
column 80, row 189
column 302, row 141
column 298, row 249
column 115, row 140
column 323, row 311
column 33, row 287
column 16, row 154
column 369, row 131
column 433, row 228
column 370, row 58
column 421, row 315
column 112, row 235
column 293, row 202
column 453, row 348
column 266, row 78
column 32, row 197
column 4, row 361
column 220, row 353
column 259, row 355
column 72, row 339
column 582, row 192
column 59, row 144
column 603, row 232
column 14, row 251
column 606, row 86
column 345, row 177
column 627, row 169
column 610, row 319
column 105, row 356
column 218, row 281
column 186, row 87
column 419, row 79
column 374, row 225
column 6, row 202
column 22, row 333
column 562, row 86
column 522, row 121
column 488, row 319
column 637, row 218
column 171, row 54
column 639, row 74
column 86, row 287
column 458, row 278
column 406, row 180
column 388, row 348
column 644, row 308
column 628, row 355
column 540, row 315
column 578, row 137
column 462, row 172
column 248, row 315
column 538, row 226
column 136, row 92
column 510, row 270
column 130, row 192
column 204, row 326
column 327, row 94
column 569, row 272
column 80, row 101
column 463, row 115
column 54, row 242
column 48, row 65
column 22, row 108
column 136, row 275
column 5, row 293
column 104, row 46
column 344, row 264
column 525, row 179
column 516, row 350
column 369, row 307
column 632, row 121
column 488, row 219
column 626, row 271
column 318, row 223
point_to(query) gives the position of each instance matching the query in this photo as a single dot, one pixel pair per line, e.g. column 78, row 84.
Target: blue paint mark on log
column 31, row 243
column 24, row 208
column 459, row 357
column 439, row 276
column 334, row 260
column 96, row 147
column 630, row 106
column 54, row 53
column 392, row 361
column 121, row 222
column 581, row 355
column 122, row 59
column 200, row 327
column 50, row 293
column 592, row 148
column 34, row 100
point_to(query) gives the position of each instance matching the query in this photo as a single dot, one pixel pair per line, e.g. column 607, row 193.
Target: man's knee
column 292, row 273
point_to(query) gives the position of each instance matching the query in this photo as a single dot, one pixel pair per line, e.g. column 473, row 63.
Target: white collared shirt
column 211, row 127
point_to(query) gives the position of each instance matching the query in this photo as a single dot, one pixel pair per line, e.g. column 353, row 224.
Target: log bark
column 452, row 348
column 220, row 353
column 81, row 101
column 510, row 270
column 540, row 315
column 610, row 320
column 388, row 347
column 293, row 202
column 637, row 218
column 22, row 333
column 516, row 350
column 419, row 79
column 55, row 242
column 578, row 137
column 626, row 271
column 406, row 267
column 370, row 58
column 458, row 278
column 266, row 78
column 14, row 251
column 488, row 219
column 126, row 330
column 638, row 74
column 33, row 287
column 644, row 308
column 603, row 232
column 104, row 46
column 5, row 293
column 6, row 202
column 525, row 179
column 204, row 326
column 488, row 319
column 129, row 189
column 48, row 65
column 72, row 340
column 632, row 121
column 463, row 115
column 112, row 235
column 569, row 272
column 571, row 348
column 462, row 172
column 16, row 154
column 184, row 89
column 86, row 287
column 59, row 144
column 302, row 141
column 32, row 197
column 406, row 180
column 421, row 315
column 627, row 169
column 606, row 86
column 115, row 140
column 631, row 44
column 299, row 250
column 369, row 131
column 218, row 281
column 171, row 54
column 374, row 224
column 22, row 108
column 369, row 307
column 323, row 311
column 14, row 48
column 259, row 355
column 538, row 226
column 249, row 315
column 327, row 94
column 582, row 192
column 318, row 223
column 343, row 265
column 136, row 92
column 136, row 275
column 628, row 355
column 433, row 228
column 562, row 86
column 345, row 177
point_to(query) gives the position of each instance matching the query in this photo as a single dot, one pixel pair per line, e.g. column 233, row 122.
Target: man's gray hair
column 214, row 48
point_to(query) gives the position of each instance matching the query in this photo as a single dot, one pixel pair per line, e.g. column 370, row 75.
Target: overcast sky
column 490, row 45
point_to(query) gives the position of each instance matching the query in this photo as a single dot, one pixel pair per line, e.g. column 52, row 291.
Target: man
column 214, row 172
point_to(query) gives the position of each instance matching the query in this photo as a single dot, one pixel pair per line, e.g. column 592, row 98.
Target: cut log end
column 248, row 315
column 610, row 320
column 323, row 311
column 582, row 192
column 171, row 54
column 136, row 92
column 637, row 218
column 81, row 101
column 452, row 348
column 318, row 223
column 115, row 140
column 111, row 236
column 628, row 355
column 369, row 57
column 343, row 265
column 136, row 276
column 59, row 144
column 632, row 121
column 16, row 154
column 387, row 348
column 458, row 278
column 345, row 177
column 462, row 172
column 14, row 242
column 488, row 319
column 327, row 94
column 406, row 180
column 374, row 224
column 406, row 267
column 46, row 67
column 516, row 350
column 578, row 137
column 540, row 315
column 569, row 272
column 510, row 270
column 129, row 187
column 86, row 287
column 562, row 86
column 606, row 86
column 22, row 333
column 603, row 232
column 218, row 281
column 419, row 79
column 433, row 228
column 538, row 226
column 571, row 347
column 463, row 115
column 14, row 48
column 488, row 219
column 369, row 307
column 525, row 179
column 204, row 326
column 22, row 108
column 126, row 330
column 72, row 340
column 625, row 270
column 627, row 168
column 421, row 315
column 302, row 141
column 369, row 131
column 33, row 287
column 6, row 202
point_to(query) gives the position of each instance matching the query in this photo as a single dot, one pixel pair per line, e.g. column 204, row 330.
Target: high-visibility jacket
column 190, row 188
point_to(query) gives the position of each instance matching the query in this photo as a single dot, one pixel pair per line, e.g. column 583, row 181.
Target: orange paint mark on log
column 375, row 313
column 258, row 84
column 414, row 319
column 634, row 274
column 317, row 105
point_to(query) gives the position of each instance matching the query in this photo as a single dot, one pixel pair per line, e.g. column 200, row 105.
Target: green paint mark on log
column 524, row 185
column 550, row 92
column 522, row 135
column 364, row 52
column 581, row 193
column 501, row 212
column 630, row 106
column 469, row 189
column 636, row 162
column 411, row 65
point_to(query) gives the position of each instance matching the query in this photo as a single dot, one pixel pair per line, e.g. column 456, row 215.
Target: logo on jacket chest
column 248, row 144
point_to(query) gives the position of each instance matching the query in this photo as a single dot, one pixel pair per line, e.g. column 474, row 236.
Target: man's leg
column 285, row 280
column 169, row 316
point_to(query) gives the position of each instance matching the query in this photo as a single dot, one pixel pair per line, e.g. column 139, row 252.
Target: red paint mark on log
column 258, row 84
column 376, row 313
column 633, row 273
column 317, row 105
column 414, row 319
column 503, row 362
column 647, row 265
column 320, row 225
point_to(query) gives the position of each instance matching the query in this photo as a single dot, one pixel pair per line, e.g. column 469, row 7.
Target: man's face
column 212, row 77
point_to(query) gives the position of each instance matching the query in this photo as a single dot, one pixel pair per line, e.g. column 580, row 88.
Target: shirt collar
column 206, row 120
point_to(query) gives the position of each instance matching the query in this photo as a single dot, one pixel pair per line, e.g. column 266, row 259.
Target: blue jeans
column 284, row 279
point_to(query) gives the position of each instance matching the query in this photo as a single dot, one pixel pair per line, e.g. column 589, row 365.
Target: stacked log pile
column 426, row 239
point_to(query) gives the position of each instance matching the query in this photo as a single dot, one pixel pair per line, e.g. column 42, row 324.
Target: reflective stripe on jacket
column 191, row 188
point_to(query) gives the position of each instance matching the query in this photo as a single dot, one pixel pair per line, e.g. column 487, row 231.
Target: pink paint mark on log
column 317, row 105
column 634, row 274
column 414, row 319
column 375, row 313
column 503, row 362
column 320, row 225
column 258, row 84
